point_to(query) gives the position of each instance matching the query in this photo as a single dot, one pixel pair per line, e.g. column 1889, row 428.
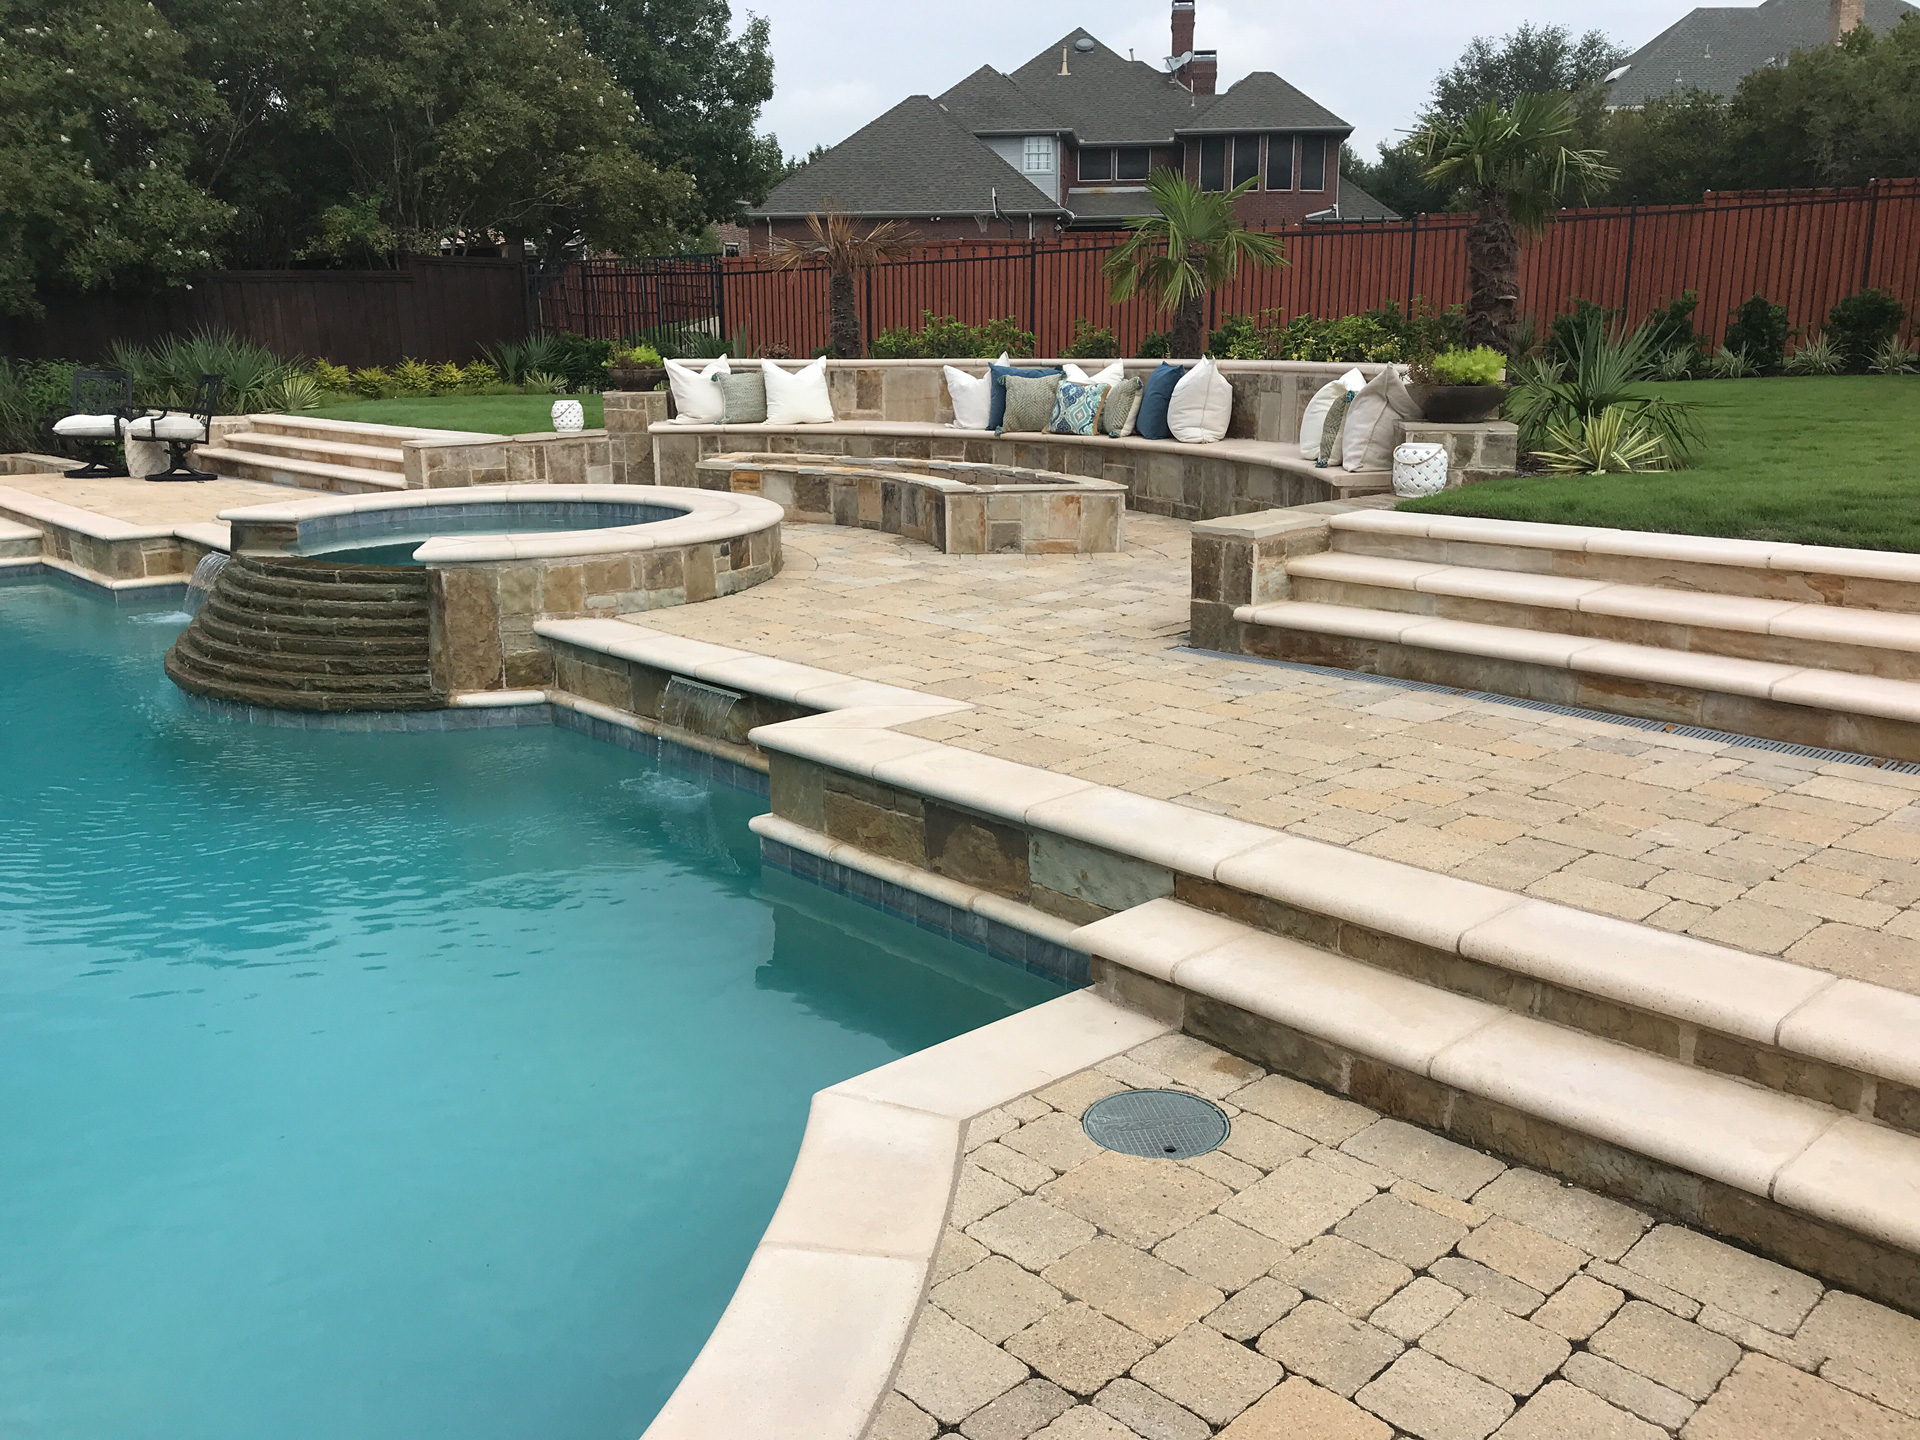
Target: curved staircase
column 289, row 634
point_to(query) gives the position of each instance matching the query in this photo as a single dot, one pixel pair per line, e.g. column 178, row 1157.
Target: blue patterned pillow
column 1076, row 409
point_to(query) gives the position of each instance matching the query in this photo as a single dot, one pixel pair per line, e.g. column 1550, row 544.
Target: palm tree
column 832, row 242
column 1515, row 166
column 1181, row 255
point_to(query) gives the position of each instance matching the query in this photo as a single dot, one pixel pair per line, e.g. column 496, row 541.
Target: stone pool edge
column 809, row 1344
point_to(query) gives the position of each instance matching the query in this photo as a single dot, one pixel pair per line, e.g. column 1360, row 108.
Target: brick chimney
column 1201, row 73
column 1842, row 16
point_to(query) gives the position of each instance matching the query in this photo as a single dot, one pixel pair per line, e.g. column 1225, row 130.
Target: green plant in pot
column 1461, row 387
column 634, row 367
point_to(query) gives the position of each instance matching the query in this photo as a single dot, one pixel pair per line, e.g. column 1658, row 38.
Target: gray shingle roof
column 1713, row 49
column 1109, row 99
column 989, row 103
column 1262, row 101
column 1108, row 205
column 915, row 160
column 1357, row 204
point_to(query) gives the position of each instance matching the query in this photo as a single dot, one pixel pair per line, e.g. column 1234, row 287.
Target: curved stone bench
column 956, row 506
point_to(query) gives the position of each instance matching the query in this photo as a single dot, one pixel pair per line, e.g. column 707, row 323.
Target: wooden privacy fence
column 431, row 310
column 1803, row 249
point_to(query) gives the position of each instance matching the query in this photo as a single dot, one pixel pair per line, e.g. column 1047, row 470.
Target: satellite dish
column 1613, row 75
column 1083, row 44
column 1179, row 62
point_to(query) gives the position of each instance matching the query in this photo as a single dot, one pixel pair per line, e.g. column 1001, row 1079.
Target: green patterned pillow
column 1123, row 407
column 1029, row 403
column 1076, row 409
column 744, row 393
column 1330, row 449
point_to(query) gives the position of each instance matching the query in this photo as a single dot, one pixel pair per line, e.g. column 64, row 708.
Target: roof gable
column 1263, row 101
column 1110, row 100
column 915, row 160
column 989, row 103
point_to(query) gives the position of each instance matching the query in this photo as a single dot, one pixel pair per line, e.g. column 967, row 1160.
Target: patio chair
column 102, row 402
column 180, row 430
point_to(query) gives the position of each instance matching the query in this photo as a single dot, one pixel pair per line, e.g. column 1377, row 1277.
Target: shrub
column 1155, row 345
column 1759, row 330
column 636, row 356
column 1238, row 337
column 447, row 379
column 1555, row 399
column 1894, row 358
column 332, row 377
column 542, row 382
column 1727, row 363
column 478, row 375
column 1090, row 342
column 1610, row 442
column 580, row 360
column 413, row 377
column 1676, row 364
column 1860, row 324
column 30, row 390
column 295, row 391
column 1671, row 329
column 374, row 383
column 1481, row 365
column 168, row 371
column 1579, row 321
column 942, row 337
column 1816, row 355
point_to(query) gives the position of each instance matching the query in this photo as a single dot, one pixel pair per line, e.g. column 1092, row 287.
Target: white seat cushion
column 696, row 393
column 798, row 397
column 1202, row 405
column 89, row 427
column 165, row 427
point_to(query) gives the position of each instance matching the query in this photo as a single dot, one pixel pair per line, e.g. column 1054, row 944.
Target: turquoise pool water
column 390, row 1087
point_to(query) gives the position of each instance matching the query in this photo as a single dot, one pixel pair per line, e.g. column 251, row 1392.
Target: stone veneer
column 956, row 508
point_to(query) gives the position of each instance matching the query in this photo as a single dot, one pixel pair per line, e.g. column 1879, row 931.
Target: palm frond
column 1192, row 246
column 1519, row 154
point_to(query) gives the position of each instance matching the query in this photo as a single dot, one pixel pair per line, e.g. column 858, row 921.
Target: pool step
column 18, row 542
column 299, row 635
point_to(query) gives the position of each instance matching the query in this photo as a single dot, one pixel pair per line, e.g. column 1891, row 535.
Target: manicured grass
column 493, row 414
column 1824, row 461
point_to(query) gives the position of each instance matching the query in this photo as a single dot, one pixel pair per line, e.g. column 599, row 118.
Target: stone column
column 629, row 413
column 1242, row 560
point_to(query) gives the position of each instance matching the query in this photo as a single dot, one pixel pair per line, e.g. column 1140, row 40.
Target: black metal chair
column 180, row 430
column 102, row 402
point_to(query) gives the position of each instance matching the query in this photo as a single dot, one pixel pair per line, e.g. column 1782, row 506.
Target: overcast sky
column 838, row 65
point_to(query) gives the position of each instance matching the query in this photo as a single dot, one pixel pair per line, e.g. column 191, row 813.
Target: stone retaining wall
column 549, row 458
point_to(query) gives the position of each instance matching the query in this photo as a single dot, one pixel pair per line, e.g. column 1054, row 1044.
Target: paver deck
column 143, row 502
column 1076, row 663
column 1330, row 1273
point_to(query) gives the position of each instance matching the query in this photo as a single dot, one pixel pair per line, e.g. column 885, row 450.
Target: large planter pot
column 623, row 378
column 1459, row 404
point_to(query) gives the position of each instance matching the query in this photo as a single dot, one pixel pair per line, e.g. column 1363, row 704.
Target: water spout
column 200, row 585
column 703, row 709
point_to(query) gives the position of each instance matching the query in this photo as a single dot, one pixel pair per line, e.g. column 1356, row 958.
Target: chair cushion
column 89, row 427
column 165, row 427
column 1076, row 409
column 997, row 405
column 1202, row 405
column 1123, row 407
column 745, row 397
column 1029, row 404
column 1151, row 423
column 797, row 397
column 696, row 393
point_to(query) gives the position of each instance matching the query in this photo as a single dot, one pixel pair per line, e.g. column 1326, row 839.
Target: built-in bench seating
column 900, row 409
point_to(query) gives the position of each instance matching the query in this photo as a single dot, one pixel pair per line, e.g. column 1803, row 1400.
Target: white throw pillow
column 1315, row 419
column 972, row 395
column 1112, row 375
column 1202, row 405
column 1376, row 421
column 798, row 397
column 696, row 393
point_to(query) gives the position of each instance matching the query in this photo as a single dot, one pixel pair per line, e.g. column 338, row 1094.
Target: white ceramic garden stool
column 1419, row 469
column 568, row 417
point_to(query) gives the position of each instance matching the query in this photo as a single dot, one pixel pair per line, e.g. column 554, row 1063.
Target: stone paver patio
column 1074, row 663
column 1328, row 1274
column 142, row 502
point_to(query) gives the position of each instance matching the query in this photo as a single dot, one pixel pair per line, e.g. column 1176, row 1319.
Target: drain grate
column 1162, row 1124
column 1636, row 722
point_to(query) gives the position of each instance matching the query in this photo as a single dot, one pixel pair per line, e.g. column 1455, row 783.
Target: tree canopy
column 142, row 141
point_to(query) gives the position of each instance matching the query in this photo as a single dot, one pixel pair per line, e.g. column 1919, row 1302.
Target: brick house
column 1066, row 142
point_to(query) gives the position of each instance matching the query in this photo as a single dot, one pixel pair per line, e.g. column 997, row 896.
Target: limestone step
column 246, row 616
column 1826, row 637
column 19, row 542
column 1831, row 709
column 334, row 452
column 356, row 432
column 1808, row 574
column 241, row 655
column 1387, row 1034
column 306, row 474
column 270, row 695
column 334, row 639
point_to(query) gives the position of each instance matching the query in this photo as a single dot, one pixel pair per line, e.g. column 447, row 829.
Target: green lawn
column 493, row 414
column 1826, row 461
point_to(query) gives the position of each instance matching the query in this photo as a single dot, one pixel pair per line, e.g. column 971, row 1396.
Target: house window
column 1313, row 162
column 1096, row 165
column 1246, row 159
column 1213, row 163
column 1036, row 155
column 1134, row 163
column 1279, row 162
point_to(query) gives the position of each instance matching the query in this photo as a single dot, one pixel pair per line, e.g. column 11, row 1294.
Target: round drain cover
column 1164, row 1124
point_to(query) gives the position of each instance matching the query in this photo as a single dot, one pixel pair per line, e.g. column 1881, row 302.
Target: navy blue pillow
column 1152, row 424
column 997, row 402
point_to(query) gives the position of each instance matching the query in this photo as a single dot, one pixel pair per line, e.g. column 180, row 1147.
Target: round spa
column 400, row 601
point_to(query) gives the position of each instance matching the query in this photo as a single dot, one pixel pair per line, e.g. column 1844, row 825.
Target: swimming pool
column 391, row 1085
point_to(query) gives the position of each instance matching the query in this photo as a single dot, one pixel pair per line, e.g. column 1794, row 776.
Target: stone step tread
column 374, row 434
column 275, row 697
column 306, row 447
column 214, row 649
column 1884, row 629
column 1643, row 544
column 1804, row 1155
column 194, row 657
column 400, row 627
column 332, row 584
column 1651, row 664
column 260, row 640
column 216, row 457
column 14, row 530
